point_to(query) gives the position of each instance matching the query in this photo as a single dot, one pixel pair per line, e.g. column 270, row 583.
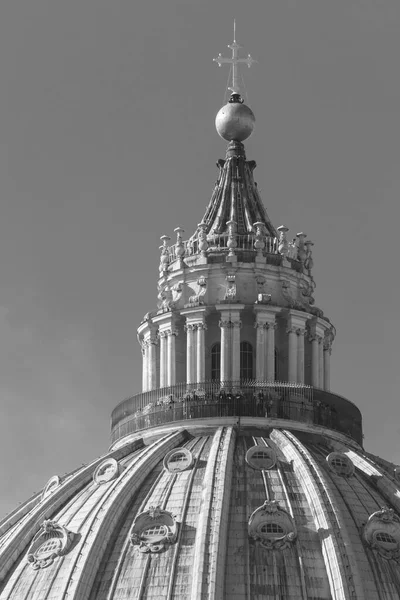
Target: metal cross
column 234, row 61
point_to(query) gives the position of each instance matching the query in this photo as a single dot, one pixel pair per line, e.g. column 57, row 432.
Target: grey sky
column 107, row 141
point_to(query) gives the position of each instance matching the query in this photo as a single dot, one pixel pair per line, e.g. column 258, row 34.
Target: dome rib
column 342, row 572
column 211, row 535
column 107, row 515
column 235, row 196
column 23, row 535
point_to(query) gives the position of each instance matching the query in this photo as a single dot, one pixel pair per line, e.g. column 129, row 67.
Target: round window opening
column 106, row 471
column 261, row 457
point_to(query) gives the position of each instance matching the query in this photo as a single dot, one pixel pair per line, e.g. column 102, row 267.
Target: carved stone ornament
column 51, row 541
column 106, row 471
column 261, row 457
column 396, row 473
column 340, row 464
column 230, row 290
column 51, row 486
column 153, row 530
column 272, row 527
column 382, row 533
column 177, row 460
column 198, row 298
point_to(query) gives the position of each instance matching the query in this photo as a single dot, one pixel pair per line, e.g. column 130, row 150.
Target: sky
column 107, row 142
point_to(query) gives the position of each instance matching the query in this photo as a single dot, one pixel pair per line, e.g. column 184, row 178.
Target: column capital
column 190, row 327
column 291, row 330
column 297, row 319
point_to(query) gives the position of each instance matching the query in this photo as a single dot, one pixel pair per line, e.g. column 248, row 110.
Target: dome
column 236, row 474
column 211, row 511
column 235, row 122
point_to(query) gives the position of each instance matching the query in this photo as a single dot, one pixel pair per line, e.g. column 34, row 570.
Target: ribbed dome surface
column 215, row 552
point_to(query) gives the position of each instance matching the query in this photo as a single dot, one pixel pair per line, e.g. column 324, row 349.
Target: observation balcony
column 211, row 399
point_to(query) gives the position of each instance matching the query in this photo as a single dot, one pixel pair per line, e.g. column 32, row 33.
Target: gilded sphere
column 235, row 122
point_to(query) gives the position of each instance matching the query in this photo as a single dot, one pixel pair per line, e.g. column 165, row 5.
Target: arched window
column 216, row 361
column 246, row 361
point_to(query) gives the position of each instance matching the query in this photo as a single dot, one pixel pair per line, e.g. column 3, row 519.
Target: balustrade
column 233, row 398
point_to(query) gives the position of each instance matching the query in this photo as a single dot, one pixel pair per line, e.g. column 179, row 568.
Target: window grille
column 246, row 361
column 216, row 361
column 386, row 538
column 272, row 528
column 154, row 531
column 48, row 547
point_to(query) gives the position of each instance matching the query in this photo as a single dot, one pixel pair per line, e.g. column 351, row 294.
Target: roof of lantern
column 235, row 196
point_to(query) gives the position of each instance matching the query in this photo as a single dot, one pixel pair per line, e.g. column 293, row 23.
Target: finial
column 234, row 61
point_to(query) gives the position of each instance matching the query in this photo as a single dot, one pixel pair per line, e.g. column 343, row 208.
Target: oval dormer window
column 106, row 471
column 261, row 457
column 178, row 460
column 340, row 464
column 51, row 486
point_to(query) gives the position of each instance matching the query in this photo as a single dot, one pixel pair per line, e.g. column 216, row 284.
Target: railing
column 242, row 399
column 219, row 243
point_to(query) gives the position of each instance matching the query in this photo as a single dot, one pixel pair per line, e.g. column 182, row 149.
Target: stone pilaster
column 328, row 339
column 292, row 353
column 163, row 359
column 296, row 326
column 200, row 358
column 317, row 329
column 261, row 351
column 143, row 345
column 230, row 340
column 271, row 351
column 195, row 343
column 152, row 363
column 171, row 357
column 300, row 355
column 265, row 348
column 166, row 325
column 190, row 329
column 321, row 362
column 225, row 327
column 236, row 325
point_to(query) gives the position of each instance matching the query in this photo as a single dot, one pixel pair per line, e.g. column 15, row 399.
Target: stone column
column 152, row 363
column 296, row 329
column 314, row 360
column 195, row 343
column 225, row 349
column 230, row 340
column 190, row 352
column 144, row 346
column 292, row 362
column 171, row 358
column 265, row 324
column 261, row 351
column 200, row 366
column 300, row 355
column 271, row 351
column 321, row 362
column 328, row 340
column 235, row 327
column 163, row 359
